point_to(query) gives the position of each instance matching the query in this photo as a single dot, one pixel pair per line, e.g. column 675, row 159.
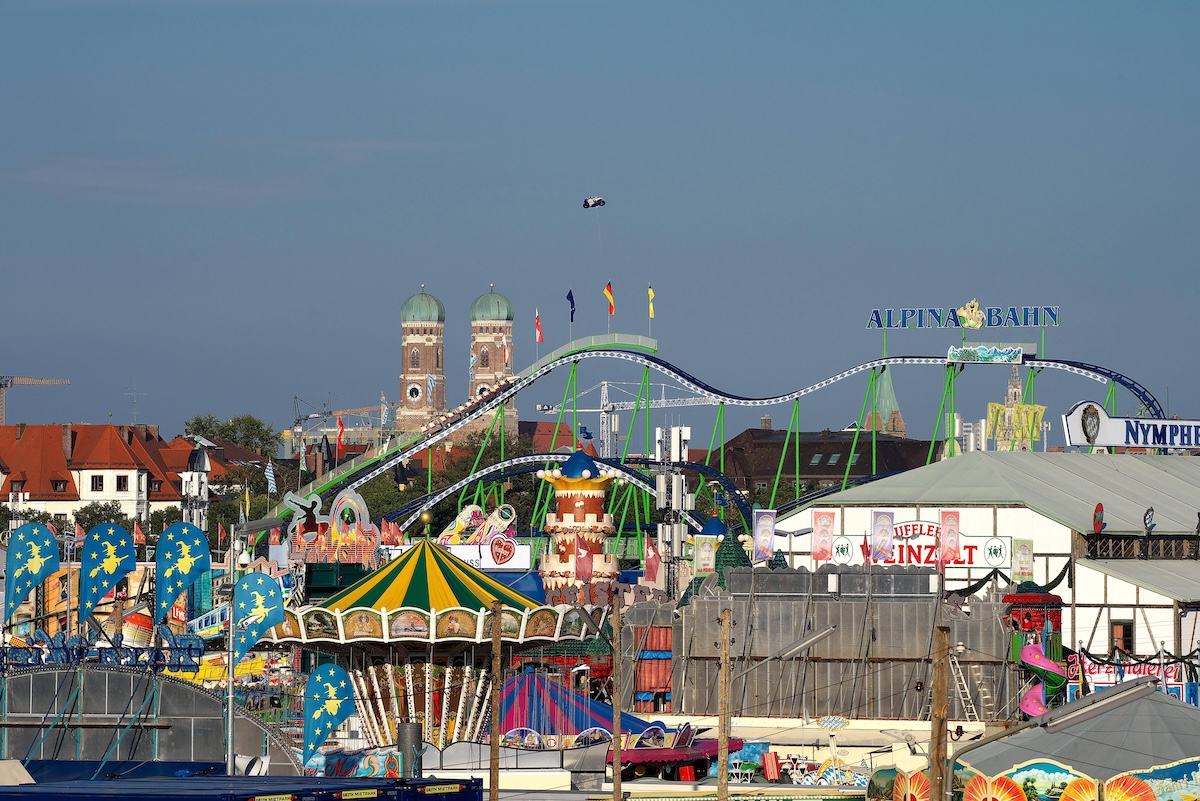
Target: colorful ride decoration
column 1053, row 680
column 1042, row 779
column 558, row 714
column 346, row 534
column 579, row 525
column 472, row 527
column 1031, row 612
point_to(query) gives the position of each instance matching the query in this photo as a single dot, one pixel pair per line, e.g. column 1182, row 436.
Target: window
column 122, row 483
column 485, row 359
column 815, row 460
column 414, row 359
column 60, row 517
column 97, row 483
column 854, row 458
column 760, row 485
column 18, row 486
column 58, row 485
column 834, row 458
column 1121, row 635
column 437, row 358
column 155, row 486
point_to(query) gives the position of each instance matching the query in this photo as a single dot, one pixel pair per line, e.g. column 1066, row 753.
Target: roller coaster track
column 512, row 467
column 362, row 469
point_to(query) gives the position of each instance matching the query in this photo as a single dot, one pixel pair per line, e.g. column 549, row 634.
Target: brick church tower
column 492, row 354
column 422, row 362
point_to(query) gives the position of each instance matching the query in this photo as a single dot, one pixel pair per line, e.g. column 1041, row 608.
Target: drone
column 593, row 202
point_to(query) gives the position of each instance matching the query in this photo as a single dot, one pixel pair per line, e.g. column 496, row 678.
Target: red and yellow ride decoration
column 579, row 525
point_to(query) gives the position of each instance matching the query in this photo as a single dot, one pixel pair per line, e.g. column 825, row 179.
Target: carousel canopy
column 427, row 577
column 532, row 701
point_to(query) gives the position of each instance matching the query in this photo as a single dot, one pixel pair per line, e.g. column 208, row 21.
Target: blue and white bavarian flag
column 257, row 608
column 182, row 558
column 271, row 487
column 328, row 700
column 32, row 558
column 108, row 557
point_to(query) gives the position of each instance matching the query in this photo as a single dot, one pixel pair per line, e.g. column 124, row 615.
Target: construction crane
column 383, row 409
column 607, row 434
column 7, row 381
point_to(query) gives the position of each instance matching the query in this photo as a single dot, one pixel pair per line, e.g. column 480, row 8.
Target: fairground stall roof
column 427, row 595
column 1065, row 487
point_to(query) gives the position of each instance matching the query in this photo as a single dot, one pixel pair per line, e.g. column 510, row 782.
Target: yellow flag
column 650, row 292
column 247, row 501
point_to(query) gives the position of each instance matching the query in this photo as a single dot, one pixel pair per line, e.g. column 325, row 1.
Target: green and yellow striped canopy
column 427, row 577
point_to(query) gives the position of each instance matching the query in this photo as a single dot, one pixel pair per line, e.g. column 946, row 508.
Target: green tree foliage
column 95, row 513
column 246, row 430
column 162, row 518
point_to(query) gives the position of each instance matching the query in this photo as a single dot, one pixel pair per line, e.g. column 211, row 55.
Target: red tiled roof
column 36, row 458
column 100, row 448
column 544, row 437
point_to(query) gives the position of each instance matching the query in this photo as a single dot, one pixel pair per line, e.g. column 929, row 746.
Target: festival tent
column 1128, row 727
column 532, row 701
column 427, row 577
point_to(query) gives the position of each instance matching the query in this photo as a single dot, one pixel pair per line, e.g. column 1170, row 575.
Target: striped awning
column 427, row 577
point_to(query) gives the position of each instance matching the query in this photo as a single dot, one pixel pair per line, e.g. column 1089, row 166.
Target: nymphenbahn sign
column 1088, row 425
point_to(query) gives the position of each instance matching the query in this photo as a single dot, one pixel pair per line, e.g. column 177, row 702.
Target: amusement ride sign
column 971, row 316
column 916, row 542
column 1088, row 425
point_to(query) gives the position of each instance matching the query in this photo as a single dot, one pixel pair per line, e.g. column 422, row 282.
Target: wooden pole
column 494, row 729
column 616, row 694
column 723, row 710
column 938, row 780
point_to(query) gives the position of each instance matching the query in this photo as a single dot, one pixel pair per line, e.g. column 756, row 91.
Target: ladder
column 964, row 691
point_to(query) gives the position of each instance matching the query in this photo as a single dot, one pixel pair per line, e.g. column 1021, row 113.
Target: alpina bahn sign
column 971, row 316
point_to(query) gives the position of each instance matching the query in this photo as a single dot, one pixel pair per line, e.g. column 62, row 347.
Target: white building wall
column 1089, row 608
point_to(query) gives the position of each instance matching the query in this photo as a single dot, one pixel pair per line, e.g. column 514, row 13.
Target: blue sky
column 225, row 203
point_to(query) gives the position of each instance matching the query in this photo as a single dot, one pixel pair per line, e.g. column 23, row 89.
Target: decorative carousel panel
column 457, row 624
column 510, row 625
column 542, row 624
column 572, row 626
column 362, row 624
column 289, row 628
column 320, row 625
column 409, row 624
column 911, row 786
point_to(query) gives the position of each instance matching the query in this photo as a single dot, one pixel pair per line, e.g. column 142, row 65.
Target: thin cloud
column 141, row 181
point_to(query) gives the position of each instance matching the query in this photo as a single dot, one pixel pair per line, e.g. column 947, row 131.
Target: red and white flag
column 583, row 560
column 341, row 433
column 139, row 536
column 653, row 561
column 537, row 324
column 221, row 534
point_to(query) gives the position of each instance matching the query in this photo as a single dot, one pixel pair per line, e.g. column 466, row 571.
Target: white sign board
column 1088, row 425
column 513, row 557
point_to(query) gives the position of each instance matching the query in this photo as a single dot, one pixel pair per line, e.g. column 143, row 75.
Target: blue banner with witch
column 32, row 558
column 328, row 700
column 182, row 558
column 108, row 557
column 257, row 608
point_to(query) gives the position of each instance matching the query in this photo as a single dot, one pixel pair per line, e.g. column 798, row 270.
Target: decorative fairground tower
column 579, row 525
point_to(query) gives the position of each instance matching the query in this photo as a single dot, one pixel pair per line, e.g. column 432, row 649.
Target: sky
column 218, row 206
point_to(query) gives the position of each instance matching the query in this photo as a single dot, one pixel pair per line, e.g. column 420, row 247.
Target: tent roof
column 532, row 701
column 1143, row 732
column 1064, row 487
column 427, row 577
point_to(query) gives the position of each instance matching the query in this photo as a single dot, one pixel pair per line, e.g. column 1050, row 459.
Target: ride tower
column 579, row 525
column 422, row 362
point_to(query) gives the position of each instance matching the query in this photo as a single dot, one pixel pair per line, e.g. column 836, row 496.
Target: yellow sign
column 276, row 797
column 368, row 793
column 434, row 789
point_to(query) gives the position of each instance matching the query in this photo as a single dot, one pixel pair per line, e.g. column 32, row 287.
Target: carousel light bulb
column 720, row 538
column 586, row 474
column 742, row 538
column 557, row 473
column 541, row 473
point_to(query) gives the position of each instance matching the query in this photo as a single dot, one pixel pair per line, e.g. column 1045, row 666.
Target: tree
column 96, row 513
column 245, row 430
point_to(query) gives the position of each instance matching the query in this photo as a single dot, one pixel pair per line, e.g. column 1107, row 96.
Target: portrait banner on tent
column 108, row 556
column 328, row 700
column 883, row 536
column 32, row 558
column 706, row 554
column 1022, row 560
column 823, row 525
column 182, row 558
column 257, row 608
column 653, row 561
column 949, row 545
column 583, row 559
column 764, row 535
